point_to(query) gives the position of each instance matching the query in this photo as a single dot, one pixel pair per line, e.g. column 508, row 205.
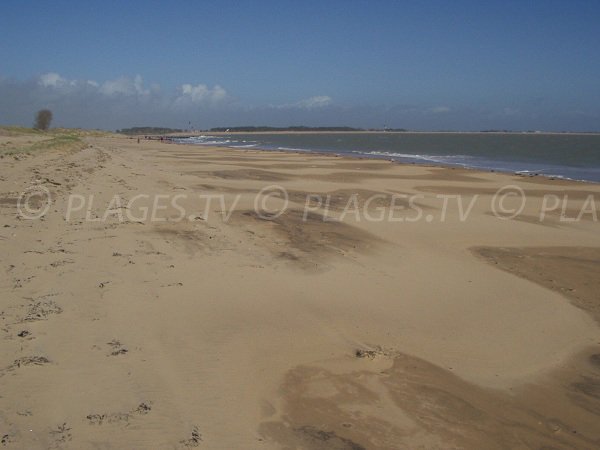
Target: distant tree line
column 149, row 130
column 293, row 128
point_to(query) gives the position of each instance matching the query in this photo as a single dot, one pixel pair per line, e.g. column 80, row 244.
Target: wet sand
column 236, row 328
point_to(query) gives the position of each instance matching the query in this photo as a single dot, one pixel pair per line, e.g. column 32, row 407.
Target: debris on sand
column 117, row 348
column 360, row 353
column 194, row 441
column 30, row 360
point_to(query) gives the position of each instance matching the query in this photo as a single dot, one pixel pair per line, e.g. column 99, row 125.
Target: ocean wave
column 204, row 139
column 455, row 159
column 293, row 149
column 244, row 146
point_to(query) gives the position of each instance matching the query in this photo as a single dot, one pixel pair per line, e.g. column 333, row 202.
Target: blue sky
column 461, row 65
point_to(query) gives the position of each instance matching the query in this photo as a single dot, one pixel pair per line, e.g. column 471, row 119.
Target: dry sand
column 250, row 333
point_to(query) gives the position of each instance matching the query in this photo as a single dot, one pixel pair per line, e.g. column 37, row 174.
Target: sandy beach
column 175, row 296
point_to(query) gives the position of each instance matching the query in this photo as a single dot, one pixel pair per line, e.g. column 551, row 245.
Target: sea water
column 562, row 155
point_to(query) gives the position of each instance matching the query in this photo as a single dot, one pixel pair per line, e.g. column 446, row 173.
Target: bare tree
column 42, row 119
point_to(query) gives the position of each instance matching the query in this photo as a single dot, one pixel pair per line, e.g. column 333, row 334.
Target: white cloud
column 200, row 94
column 119, row 86
column 114, row 103
column 440, row 109
column 101, row 103
column 124, row 86
column 51, row 79
column 318, row 101
column 188, row 94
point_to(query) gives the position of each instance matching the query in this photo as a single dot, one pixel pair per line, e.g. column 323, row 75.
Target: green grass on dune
column 18, row 131
column 64, row 139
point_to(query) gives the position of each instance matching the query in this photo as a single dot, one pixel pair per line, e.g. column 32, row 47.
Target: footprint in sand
column 98, row 419
column 41, row 307
column 61, row 434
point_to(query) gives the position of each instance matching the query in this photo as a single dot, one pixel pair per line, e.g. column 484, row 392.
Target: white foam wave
column 455, row 159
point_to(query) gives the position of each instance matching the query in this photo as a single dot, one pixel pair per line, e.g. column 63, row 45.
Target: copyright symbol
column 34, row 202
column 502, row 205
column 261, row 199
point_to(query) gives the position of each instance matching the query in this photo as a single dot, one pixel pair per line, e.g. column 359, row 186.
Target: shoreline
column 523, row 173
column 520, row 133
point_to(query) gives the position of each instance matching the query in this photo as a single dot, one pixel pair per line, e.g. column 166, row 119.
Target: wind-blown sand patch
column 247, row 174
column 572, row 271
column 415, row 404
column 306, row 240
column 572, row 194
